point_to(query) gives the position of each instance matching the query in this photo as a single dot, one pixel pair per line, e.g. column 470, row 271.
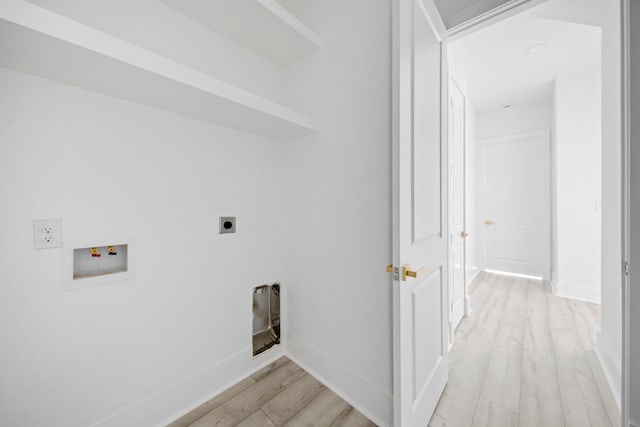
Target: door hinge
column 627, row 267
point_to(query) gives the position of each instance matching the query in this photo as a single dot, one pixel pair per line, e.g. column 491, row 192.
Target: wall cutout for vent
column 266, row 317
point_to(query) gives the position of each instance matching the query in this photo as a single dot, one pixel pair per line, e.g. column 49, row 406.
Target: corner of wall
column 577, row 292
column 354, row 389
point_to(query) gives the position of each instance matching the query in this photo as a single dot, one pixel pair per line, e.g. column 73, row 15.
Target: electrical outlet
column 47, row 233
column 227, row 224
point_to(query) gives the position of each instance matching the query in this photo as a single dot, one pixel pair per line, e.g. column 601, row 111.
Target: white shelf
column 263, row 26
column 37, row 41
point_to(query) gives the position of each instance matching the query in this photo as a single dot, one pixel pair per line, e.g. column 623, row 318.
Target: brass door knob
column 408, row 272
column 489, row 222
column 464, row 234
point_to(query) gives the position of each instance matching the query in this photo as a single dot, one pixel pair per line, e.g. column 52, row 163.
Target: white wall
column 577, row 134
column 520, row 118
column 339, row 215
column 147, row 349
column 610, row 338
column 143, row 351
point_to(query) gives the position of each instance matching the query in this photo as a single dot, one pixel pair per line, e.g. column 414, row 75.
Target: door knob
column 408, row 272
column 489, row 222
column 464, row 234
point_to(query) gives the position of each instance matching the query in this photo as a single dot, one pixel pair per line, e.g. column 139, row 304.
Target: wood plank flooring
column 525, row 357
column 281, row 394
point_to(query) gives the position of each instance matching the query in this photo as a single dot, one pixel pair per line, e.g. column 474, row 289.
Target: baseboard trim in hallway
column 580, row 293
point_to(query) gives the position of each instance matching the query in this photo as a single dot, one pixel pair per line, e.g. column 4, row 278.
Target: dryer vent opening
column 266, row 317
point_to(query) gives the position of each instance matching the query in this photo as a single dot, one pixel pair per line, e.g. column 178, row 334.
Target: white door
column 457, row 232
column 420, row 313
column 515, row 204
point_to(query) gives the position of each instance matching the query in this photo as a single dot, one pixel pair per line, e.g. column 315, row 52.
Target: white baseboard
column 581, row 293
column 611, row 367
column 472, row 276
column 374, row 403
column 170, row 403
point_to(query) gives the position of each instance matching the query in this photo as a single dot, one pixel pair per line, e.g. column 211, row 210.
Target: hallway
column 525, row 357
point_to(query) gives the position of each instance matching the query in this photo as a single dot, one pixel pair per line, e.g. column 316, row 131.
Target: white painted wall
column 577, row 105
column 520, row 118
column 610, row 339
column 339, row 210
column 143, row 351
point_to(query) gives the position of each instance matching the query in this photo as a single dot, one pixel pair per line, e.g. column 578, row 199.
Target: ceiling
column 454, row 12
column 493, row 65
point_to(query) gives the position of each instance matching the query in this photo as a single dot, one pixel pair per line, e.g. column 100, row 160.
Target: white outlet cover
column 47, row 233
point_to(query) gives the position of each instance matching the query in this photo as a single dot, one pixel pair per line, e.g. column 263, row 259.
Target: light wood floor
column 525, row 357
column 282, row 394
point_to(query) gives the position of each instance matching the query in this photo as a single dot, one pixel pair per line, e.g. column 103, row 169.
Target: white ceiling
column 456, row 12
column 495, row 69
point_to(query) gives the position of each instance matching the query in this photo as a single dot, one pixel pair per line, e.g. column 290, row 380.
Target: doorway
column 514, row 197
column 540, row 112
column 533, row 196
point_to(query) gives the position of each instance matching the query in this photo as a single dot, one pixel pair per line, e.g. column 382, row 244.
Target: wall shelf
column 262, row 26
column 37, row 41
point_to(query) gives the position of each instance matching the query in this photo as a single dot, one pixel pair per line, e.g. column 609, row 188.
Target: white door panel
column 420, row 213
column 516, row 204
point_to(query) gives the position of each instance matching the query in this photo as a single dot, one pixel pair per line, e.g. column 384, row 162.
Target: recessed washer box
column 100, row 261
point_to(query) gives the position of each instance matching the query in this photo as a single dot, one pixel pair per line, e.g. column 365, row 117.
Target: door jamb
column 626, row 183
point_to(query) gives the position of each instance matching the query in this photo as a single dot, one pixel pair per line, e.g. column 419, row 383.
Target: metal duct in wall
column 266, row 317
